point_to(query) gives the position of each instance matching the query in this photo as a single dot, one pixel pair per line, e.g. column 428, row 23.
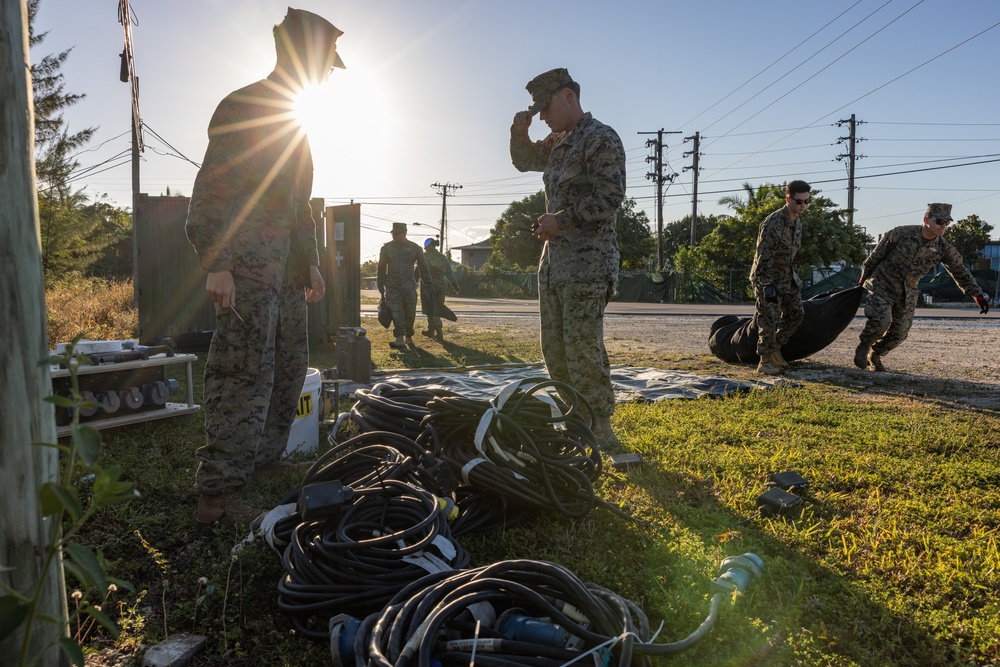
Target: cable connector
column 323, row 500
column 441, row 478
column 789, row 480
column 343, row 633
column 736, row 573
column 775, row 501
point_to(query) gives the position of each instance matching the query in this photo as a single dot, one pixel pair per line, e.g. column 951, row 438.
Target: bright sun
column 347, row 122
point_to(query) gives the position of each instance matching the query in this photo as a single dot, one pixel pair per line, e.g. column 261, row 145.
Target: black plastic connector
column 323, row 500
column 789, row 480
column 440, row 478
column 775, row 501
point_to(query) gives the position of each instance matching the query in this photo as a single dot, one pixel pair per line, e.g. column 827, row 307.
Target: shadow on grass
column 943, row 392
column 806, row 612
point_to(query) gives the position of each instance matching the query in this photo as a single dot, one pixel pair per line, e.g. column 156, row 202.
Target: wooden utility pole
column 24, row 417
column 851, row 157
column 658, row 178
column 694, row 197
column 444, row 210
column 127, row 75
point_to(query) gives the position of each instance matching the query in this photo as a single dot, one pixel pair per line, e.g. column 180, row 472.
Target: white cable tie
column 467, row 468
column 484, row 427
column 608, row 644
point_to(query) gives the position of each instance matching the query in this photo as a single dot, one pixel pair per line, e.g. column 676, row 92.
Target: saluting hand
column 522, row 121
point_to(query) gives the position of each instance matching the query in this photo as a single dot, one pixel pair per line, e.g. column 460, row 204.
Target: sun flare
column 346, row 120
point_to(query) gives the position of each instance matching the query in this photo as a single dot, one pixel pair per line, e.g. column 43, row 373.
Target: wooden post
column 24, row 417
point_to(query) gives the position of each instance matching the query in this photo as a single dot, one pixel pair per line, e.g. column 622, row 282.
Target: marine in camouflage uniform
column 777, row 289
column 583, row 161
column 434, row 291
column 890, row 275
column 397, row 283
column 250, row 222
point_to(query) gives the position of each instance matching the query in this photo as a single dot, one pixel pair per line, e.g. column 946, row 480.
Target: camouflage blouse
column 904, row 255
column 778, row 242
column 584, row 177
column 249, row 208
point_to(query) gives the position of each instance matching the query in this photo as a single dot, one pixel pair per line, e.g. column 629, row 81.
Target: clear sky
column 431, row 87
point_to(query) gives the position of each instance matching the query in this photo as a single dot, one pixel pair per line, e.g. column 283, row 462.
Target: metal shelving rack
column 168, row 410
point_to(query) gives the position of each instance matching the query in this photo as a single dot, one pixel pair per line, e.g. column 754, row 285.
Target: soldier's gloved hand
column 984, row 303
column 770, row 294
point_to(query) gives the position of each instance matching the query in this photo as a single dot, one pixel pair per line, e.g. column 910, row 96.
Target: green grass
column 891, row 560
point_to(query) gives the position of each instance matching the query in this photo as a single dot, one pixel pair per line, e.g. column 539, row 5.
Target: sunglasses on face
column 943, row 223
column 800, row 202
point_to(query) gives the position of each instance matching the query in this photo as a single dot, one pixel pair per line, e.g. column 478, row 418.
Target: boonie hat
column 544, row 86
column 399, row 228
column 939, row 211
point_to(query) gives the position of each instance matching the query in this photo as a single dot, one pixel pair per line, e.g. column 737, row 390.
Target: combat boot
column 439, row 335
column 875, row 362
column 410, row 344
column 427, row 332
column 212, row 509
column 779, row 361
column 861, row 356
column 398, row 344
column 607, row 441
column 767, row 366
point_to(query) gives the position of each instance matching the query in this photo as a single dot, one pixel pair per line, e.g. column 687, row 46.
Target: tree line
column 79, row 236
column 725, row 243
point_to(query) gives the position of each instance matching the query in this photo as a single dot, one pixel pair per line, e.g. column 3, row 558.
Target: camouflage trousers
column 776, row 322
column 402, row 302
column 572, row 335
column 889, row 321
column 253, row 379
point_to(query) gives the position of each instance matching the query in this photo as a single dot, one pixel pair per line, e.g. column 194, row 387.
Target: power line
column 773, row 63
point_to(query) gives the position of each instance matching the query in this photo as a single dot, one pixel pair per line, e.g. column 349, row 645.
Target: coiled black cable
column 391, row 535
column 430, row 618
column 533, row 445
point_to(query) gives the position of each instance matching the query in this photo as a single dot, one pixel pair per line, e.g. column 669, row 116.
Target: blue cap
column 429, row 242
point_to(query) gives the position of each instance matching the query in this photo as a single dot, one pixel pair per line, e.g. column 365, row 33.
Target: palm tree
column 753, row 199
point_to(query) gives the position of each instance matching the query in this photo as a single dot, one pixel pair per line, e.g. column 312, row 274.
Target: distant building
column 991, row 251
column 475, row 255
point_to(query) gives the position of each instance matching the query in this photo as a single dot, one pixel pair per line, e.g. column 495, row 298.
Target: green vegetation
column 515, row 249
column 60, row 501
column 891, row 560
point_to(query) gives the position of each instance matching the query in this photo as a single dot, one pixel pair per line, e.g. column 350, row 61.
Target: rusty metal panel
column 170, row 285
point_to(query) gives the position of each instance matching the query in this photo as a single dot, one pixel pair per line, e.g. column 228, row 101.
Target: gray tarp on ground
column 631, row 383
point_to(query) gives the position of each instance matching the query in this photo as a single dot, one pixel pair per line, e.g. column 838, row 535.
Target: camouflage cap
column 939, row 211
column 304, row 27
column 544, row 86
column 399, row 228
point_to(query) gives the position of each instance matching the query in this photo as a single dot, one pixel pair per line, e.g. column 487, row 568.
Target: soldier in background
column 398, row 285
column 777, row 289
column 250, row 223
column 441, row 276
column 584, row 175
column 890, row 275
